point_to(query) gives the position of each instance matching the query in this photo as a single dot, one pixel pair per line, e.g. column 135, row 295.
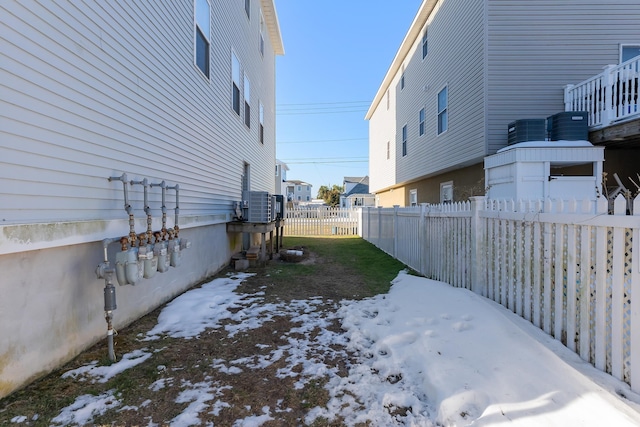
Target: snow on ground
column 429, row 354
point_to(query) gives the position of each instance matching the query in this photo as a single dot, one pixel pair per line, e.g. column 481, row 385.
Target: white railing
column 321, row 221
column 608, row 97
column 570, row 269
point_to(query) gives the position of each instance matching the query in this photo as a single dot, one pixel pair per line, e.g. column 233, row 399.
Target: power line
column 322, row 140
column 325, row 162
column 319, row 112
column 327, row 103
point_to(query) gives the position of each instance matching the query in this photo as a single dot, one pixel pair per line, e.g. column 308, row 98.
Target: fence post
column 395, row 230
column 568, row 97
column 634, row 359
column 422, row 251
column 478, row 284
column 379, row 240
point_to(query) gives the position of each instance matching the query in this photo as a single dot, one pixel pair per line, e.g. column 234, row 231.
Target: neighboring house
column 356, row 192
column 180, row 92
column 281, row 177
column 298, row 191
column 465, row 70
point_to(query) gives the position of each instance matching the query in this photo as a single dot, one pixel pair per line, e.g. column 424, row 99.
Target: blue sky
column 336, row 54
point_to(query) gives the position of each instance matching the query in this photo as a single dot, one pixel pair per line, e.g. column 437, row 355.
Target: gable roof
column 356, row 179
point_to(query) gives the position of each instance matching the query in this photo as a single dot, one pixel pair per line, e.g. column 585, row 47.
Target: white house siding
column 455, row 59
column 382, row 129
column 97, row 89
column 502, row 60
column 537, row 47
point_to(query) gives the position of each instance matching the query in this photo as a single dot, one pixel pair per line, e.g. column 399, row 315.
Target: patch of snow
column 85, row 407
column 102, row 374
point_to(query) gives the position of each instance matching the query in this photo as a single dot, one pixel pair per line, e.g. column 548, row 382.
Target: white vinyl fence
column 569, row 268
column 321, row 221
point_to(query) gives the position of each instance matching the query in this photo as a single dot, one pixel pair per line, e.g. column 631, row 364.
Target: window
column 261, row 130
column 413, row 197
column 421, row 120
column 203, row 32
column 425, row 43
column 404, row 140
column 247, row 102
column 261, row 42
column 388, row 150
column 388, row 99
column 299, row 188
column 247, row 8
column 442, row 111
column 277, row 170
column 446, row 192
column 402, row 79
column 235, row 84
column 629, row 52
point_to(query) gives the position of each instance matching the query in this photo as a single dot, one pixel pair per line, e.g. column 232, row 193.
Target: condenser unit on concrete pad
column 537, row 170
column 256, row 206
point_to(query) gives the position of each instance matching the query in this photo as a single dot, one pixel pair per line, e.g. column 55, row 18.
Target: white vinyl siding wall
column 536, row 48
column 108, row 88
column 456, row 60
column 382, row 129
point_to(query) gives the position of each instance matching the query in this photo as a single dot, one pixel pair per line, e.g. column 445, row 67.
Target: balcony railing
column 609, row 97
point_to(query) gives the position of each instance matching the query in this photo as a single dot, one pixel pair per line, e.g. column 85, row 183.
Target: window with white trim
column 402, row 79
column 202, row 35
column 443, row 102
column 235, row 83
column 261, row 130
column 404, row 140
column 388, row 150
column 247, row 8
column 261, row 42
column 421, row 121
column 425, row 43
column 628, row 52
column 247, row 102
column 413, row 197
column 446, row 192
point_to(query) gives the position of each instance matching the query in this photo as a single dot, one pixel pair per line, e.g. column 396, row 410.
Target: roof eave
column 420, row 19
column 273, row 26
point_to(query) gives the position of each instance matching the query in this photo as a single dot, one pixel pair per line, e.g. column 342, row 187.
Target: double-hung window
column 443, row 102
column 247, row 102
column 261, row 130
column 421, row 119
column 425, row 43
column 404, row 140
column 235, row 83
column 261, row 42
column 202, row 35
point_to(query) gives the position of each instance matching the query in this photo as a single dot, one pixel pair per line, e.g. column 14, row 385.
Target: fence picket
column 558, row 265
column 571, row 315
column 559, row 284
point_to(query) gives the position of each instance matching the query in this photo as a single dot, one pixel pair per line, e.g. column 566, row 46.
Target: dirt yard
column 153, row 393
